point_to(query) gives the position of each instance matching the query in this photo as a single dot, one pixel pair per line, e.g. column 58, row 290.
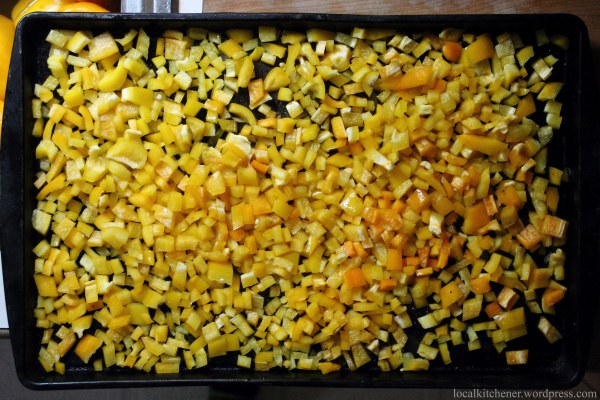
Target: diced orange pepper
column 256, row 91
column 327, row 367
column 447, row 186
column 529, row 237
column 370, row 215
column 328, row 101
column 450, row 294
column 552, row 296
column 526, row 107
column 201, row 196
column 225, row 198
column 377, row 228
column 385, row 285
column 355, row 278
column 418, row 201
column 259, row 167
column 493, row 309
column 412, row 261
column 443, row 254
column 417, row 76
column 250, row 243
column 490, row 205
column 399, row 240
column 476, row 216
column 511, row 197
column 360, row 250
column 452, row 50
column 481, row 284
column 414, row 77
column 294, row 215
column 399, row 206
column 261, row 206
column 355, row 148
column 349, row 248
column 425, row 147
column 440, row 85
column 554, row 226
column 267, row 122
column 552, row 198
column 423, row 256
column 386, row 199
column 390, row 219
column 394, row 260
column 409, row 270
column 237, row 234
column 424, row 271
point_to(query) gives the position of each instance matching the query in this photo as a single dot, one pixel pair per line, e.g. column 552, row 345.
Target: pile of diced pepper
column 304, row 217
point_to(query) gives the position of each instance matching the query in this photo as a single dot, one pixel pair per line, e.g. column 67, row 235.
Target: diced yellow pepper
column 46, row 285
column 87, row 346
column 138, row 95
column 450, row 294
column 481, row 49
column 102, row 47
column 220, row 272
column 113, row 80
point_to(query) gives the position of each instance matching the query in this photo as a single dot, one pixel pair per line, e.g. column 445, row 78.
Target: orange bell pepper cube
column 385, row 285
column 261, row 206
column 450, row 294
column 259, row 167
column 554, row 226
column 526, row 107
column 452, row 50
column 552, row 296
column 419, row 200
column 481, row 284
column 443, row 254
column 493, row 309
column 439, row 86
column 237, row 234
column 360, row 250
column 394, row 260
column 355, row 278
column 349, row 248
column 529, row 237
column 423, row 256
column 414, row 77
column 475, row 217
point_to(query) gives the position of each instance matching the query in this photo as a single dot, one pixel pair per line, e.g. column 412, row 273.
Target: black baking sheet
column 574, row 147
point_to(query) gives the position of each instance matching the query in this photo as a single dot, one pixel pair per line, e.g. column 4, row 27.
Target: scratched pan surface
column 575, row 148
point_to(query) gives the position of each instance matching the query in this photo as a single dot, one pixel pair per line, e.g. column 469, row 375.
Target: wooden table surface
column 587, row 10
